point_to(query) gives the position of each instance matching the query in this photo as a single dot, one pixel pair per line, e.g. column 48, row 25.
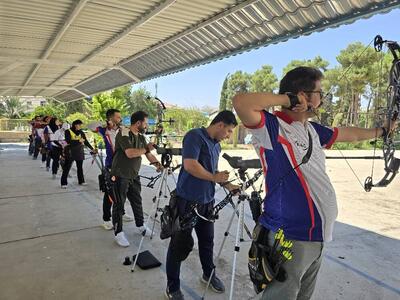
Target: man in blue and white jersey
column 300, row 198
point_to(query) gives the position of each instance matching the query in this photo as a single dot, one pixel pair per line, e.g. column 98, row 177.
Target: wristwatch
column 294, row 100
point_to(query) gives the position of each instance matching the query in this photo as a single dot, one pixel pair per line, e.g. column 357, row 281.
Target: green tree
column 51, row 108
column 141, row 99
column 351, row 81
column 101, row 103
column 376, row 93
column 185, row 119
column 264, row 80
column 122, row 93
column 76, row 106
column 316, row 62
column 223, row 98
column 238, row 82
column 11, row 107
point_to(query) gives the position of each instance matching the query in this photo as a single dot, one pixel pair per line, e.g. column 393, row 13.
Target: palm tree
column 11, row 108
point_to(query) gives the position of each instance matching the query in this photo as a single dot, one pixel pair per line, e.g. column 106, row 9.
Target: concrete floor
column 52, row 247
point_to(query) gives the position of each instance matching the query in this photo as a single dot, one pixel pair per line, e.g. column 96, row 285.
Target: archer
column 300, row 197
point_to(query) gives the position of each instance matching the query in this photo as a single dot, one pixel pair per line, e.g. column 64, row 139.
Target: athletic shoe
column 127, row 218
column 215, row 283
column 174, row 296
column 121, row 240
column 83, row 183
column 64, row 187
column 143, row 230
column 107, row 225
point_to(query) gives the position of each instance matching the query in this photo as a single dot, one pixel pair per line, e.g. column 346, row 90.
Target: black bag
column 146, row 260
column 102, row 182
column 105, row 183
column 262, row 270
column 170, row 217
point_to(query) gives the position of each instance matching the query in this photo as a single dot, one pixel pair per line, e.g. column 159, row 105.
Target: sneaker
column 53, row 176
column 42, row 165
column 127, row 218
column 107, row 225
column 174, row 296
column 215, row 283
column 143, row 229
column 47, row 169
column 83, row 183
column 64, row 187
column 34, row 158
column 121, row 240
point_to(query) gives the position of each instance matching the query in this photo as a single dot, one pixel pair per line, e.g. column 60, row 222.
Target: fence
column 15, row 125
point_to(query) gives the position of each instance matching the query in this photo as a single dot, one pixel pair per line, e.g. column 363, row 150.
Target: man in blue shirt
column 196, row 185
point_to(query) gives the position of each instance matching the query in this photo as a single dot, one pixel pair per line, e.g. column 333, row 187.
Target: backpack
column 170, row 217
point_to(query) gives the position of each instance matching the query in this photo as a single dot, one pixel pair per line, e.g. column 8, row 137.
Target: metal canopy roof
column 70, row 49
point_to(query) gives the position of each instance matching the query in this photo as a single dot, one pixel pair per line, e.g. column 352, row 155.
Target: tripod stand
column 239, row 208
column 161, row 193
column 253, row 206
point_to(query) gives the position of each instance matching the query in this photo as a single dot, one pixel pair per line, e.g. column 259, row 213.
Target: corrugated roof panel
column 46, row 74
column 30, row 92
column 9, row 92
column 45, row 93
column 88, row 36
column 105, row 18
column 176, row 35
column 15, row 76
column 74, row 77
column 126, row 5
column 106, row 81
column 27, row 43
column 69, row 96
column 35, row 10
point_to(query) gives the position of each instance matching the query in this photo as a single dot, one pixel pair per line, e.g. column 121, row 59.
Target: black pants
column 181, row 244
column 126, row 188
column 44, row 152
column 31, row 148
column 107, row 203
column 48, row 158
column 38, row 145
column 55, row 154
column 108, row 197
column 67, row 168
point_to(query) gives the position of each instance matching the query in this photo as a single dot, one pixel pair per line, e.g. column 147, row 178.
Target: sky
column 201, row 86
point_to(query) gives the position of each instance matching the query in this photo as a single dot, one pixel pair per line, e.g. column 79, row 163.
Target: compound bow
column 392, row 164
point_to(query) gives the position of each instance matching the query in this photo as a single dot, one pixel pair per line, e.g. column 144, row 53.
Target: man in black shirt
column 130, row 145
